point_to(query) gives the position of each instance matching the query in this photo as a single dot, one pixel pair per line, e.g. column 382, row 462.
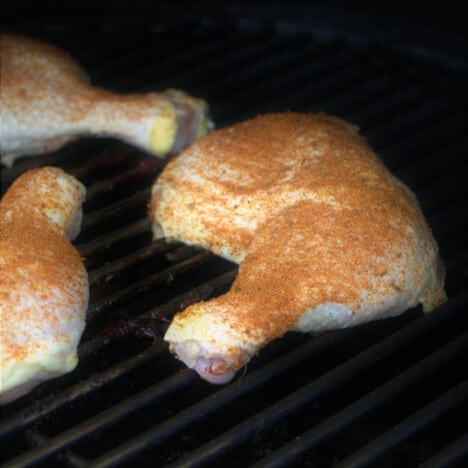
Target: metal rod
column 146, row 283
column 296, row 399
column 46, row 407
column 104, row 241
column 450, row 455
column 364, row 405
column 372, row 451
column 106, row 418
column 109, row 211
column 110, row 270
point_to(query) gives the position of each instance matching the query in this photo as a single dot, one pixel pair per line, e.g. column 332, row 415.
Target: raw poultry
column 43, row 283
column 48, row 101
column 325, row 235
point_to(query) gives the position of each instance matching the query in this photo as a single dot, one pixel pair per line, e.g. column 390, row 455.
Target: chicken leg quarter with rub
column 47, row 101
column 325, row 235
column 43, row 284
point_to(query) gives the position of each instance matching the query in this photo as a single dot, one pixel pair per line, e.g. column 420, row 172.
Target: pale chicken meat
column 43, row 283
column 47, row 101
column 325, row 235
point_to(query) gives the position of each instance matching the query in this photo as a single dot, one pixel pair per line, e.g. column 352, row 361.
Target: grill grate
column 388, row 392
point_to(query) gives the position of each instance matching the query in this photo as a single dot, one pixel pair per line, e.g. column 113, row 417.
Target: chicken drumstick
column 47, row 101
column 43, row 283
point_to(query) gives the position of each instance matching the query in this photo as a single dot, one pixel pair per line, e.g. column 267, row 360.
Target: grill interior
column 393, row 391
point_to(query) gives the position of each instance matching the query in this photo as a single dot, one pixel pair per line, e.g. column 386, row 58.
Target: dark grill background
column 387, row 393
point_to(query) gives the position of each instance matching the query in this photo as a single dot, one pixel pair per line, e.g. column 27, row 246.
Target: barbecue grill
column 389, row 392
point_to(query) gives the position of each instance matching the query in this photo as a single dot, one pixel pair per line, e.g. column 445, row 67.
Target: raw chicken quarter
column 44, row 287
column 325, row 235
column 47, row 101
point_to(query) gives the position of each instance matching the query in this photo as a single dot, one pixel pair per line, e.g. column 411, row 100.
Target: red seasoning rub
column 47, row 101
column 325, row 235
column 43, row 283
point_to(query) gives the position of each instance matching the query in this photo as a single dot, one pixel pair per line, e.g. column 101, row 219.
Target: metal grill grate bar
column 48, row 406
column 435, row 137
column 69, row 153
column 108, row 271
column 417, row 117
column 115, row 209
column 230, row 69
column 144, row 168
column 275, row 62
column 148, row 282
column 409, row 426
column 111, row 416
column 414, row 115
column 369, row 402
column 110, row 67
column 289, row 404
column 444, row 192
column 446, row 224
column 320, row 91
column 68, row 457
column 157, row 391
column 269, row 95
column 450, row 455
column 420, row 172
column 155, row 314
column 141, row 226
column 188, row 56
column 272, row 414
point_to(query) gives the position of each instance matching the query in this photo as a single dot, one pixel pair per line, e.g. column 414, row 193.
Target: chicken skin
column 43, row 284
column 47, row 101
column 325, row 235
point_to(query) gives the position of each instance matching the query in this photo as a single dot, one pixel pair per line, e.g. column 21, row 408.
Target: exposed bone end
column 211, row 366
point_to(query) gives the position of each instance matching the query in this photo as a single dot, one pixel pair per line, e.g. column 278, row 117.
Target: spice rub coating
column 325, row 235
column 43, row 283
column 47, row 101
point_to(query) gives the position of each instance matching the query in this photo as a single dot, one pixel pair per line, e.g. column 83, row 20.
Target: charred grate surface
column 387, row 393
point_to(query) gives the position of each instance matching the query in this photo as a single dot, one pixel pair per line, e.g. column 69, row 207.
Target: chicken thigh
column 325, row 235
column 43, row 283
column 47, row 101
